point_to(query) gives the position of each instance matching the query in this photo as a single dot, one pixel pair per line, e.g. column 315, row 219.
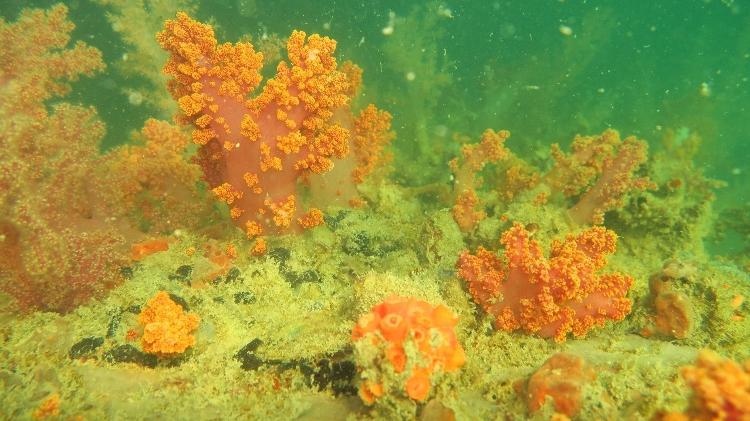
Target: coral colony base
column 273, row 269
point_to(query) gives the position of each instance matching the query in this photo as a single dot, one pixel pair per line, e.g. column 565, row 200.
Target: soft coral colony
column 278, row 156
column 255, row 151
column 550, row 297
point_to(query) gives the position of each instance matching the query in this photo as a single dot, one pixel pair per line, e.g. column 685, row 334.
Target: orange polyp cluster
column 257, row 147
column 312, row 218
column 721, row 389
column 599, row 169
column 370, row 136
column 467, row 211
column 415, row 338
column 167, row 330
column 548, row 296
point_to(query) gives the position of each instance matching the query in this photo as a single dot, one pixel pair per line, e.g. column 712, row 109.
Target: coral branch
column 55, row 253
column 467, row 210
column 607, row 157
column 721, row 389
column 255, row 151
column 550, row 297
column 151, row 181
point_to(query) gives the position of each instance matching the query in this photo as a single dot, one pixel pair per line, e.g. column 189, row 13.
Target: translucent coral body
column 548, row 296
column 56, row 251
column 600, row 171
column 254, row 151
column 167, row 329
column 402, row 344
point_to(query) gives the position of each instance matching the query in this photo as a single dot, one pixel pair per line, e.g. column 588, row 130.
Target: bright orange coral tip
column 167, row 330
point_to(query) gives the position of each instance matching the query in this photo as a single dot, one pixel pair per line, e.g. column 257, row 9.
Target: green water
column 639, row 67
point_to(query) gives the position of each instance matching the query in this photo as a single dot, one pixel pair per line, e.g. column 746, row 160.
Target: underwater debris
column 246, row 356
column 549, row 297
column 332, row 221
column 234, row 275
column 295, row 279
column 126, row 272
column 182, row 274
column 335, row 372
column 338, row 375
column 402, row 346
column 244, row 297
column 368, row 244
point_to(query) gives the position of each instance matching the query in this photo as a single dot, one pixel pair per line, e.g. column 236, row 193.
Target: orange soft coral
column 167, row 330
column 58, row 248
column 151, row 181
column 255, row 151
column 550, row 297
column 721, row 389
column 599, row 169
column 415, row 339
column 467, row 210
column 562, row 378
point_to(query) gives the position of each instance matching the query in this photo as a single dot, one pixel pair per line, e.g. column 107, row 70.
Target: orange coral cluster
column 414, row 338
column 151, row 182
column 595, row 177
column 255, row 151
column 57, row 249
column 467, row 211
column 548, row 296
column 562, row 377
column 599, row 170
column 167, row 330
column 721, row 390
column 49, row 408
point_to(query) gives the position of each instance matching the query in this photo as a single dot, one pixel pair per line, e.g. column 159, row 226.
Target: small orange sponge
column 415, row 337
column 167, row 329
